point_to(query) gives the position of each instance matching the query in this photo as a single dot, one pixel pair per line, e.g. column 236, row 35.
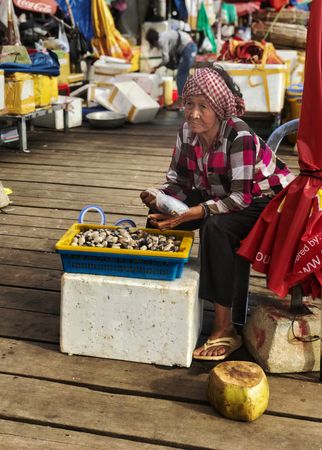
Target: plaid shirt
column 239, row 167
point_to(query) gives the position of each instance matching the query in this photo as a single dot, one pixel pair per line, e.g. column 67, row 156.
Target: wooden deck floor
column 53, row 401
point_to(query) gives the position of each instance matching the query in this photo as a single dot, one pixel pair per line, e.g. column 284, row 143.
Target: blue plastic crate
column 123, row 265
column 121, row 262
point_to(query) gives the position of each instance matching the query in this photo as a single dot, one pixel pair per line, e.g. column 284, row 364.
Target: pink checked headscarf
column 209, row 83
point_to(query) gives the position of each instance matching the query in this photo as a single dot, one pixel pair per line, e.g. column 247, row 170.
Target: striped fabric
column 210, row 84
column 239, row 167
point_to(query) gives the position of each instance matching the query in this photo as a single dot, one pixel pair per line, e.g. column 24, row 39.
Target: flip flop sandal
column 231, row 344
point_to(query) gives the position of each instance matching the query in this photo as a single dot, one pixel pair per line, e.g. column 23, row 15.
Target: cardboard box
column 14, row 54
column 56, row 119
column 64, row 61
column 46, row 90
column 42, row 88
column 19, row 93
column 263, row 87
column 129, row 98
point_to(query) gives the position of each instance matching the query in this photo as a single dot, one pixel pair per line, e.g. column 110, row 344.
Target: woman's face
column 199, row 115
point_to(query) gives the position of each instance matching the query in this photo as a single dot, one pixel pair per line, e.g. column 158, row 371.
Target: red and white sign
column 39, row 6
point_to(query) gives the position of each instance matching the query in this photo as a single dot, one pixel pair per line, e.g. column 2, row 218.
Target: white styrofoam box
column 101, row 79
column 56, row 119
column 290, row 58
column 110, row 68
column 2, row 97
column 251, row 80
column 150, row 83
column 99, row 96
column 127, row 97
column 132, row 319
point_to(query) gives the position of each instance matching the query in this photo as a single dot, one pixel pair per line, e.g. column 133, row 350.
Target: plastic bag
column 62, row 38
column 167, row 204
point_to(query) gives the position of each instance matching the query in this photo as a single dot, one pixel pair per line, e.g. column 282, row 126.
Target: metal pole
column 297, row 306
column 70, row 13
column 219, row 28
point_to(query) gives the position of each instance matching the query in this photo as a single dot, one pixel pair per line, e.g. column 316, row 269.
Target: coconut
column 238, row 390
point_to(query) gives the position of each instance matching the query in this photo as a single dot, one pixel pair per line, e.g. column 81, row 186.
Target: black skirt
column 224, row 275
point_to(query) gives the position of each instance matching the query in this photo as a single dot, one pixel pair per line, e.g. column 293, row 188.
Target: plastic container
column 263, row 87
column 121, row 262
column 168, row 90
column 293, row 100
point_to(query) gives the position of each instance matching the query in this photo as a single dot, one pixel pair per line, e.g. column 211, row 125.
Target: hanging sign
column 39, row 6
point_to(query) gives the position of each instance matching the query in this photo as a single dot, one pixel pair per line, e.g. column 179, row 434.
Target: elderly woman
column 226, row 174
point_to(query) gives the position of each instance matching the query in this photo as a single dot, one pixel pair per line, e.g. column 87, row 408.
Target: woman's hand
column 147, row 198
column 167, row 221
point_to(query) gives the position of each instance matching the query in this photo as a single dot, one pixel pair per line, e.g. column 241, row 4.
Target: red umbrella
column 286, row 242
column 40, row 6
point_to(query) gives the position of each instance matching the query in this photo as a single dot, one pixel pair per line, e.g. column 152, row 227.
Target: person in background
column 226, row 175
column 178, row 51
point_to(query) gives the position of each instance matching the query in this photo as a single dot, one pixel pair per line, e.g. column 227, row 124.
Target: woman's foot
column 219, row 345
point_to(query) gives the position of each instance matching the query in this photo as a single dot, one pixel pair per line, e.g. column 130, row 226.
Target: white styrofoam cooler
column 151, row 83
column 56, row 119
column 132, row 319
column 127, row 97
column 251, row 80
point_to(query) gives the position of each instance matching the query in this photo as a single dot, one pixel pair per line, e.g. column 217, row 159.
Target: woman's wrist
column 206, row 210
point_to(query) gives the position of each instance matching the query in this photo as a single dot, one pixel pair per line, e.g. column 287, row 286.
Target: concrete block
column 269, row 335
column 131, row 319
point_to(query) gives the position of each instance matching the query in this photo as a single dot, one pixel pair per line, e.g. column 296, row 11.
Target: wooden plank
column 47, row 218
column 158, row 421
column 113, row 161
column 17, row 231
column 96, row 170
column 50, row 190
column 136, row 182
column 23, row 358
column 29, row 277
column 27, row 258
column 112, row 206
column 29, row 325
column 27, row 243
column 37, row 300
column 22, row 436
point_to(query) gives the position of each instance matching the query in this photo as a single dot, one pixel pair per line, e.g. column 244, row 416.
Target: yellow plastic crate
column 122, row 262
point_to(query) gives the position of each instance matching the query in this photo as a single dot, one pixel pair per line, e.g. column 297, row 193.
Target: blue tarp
column 41, row 63
column 81, row 10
